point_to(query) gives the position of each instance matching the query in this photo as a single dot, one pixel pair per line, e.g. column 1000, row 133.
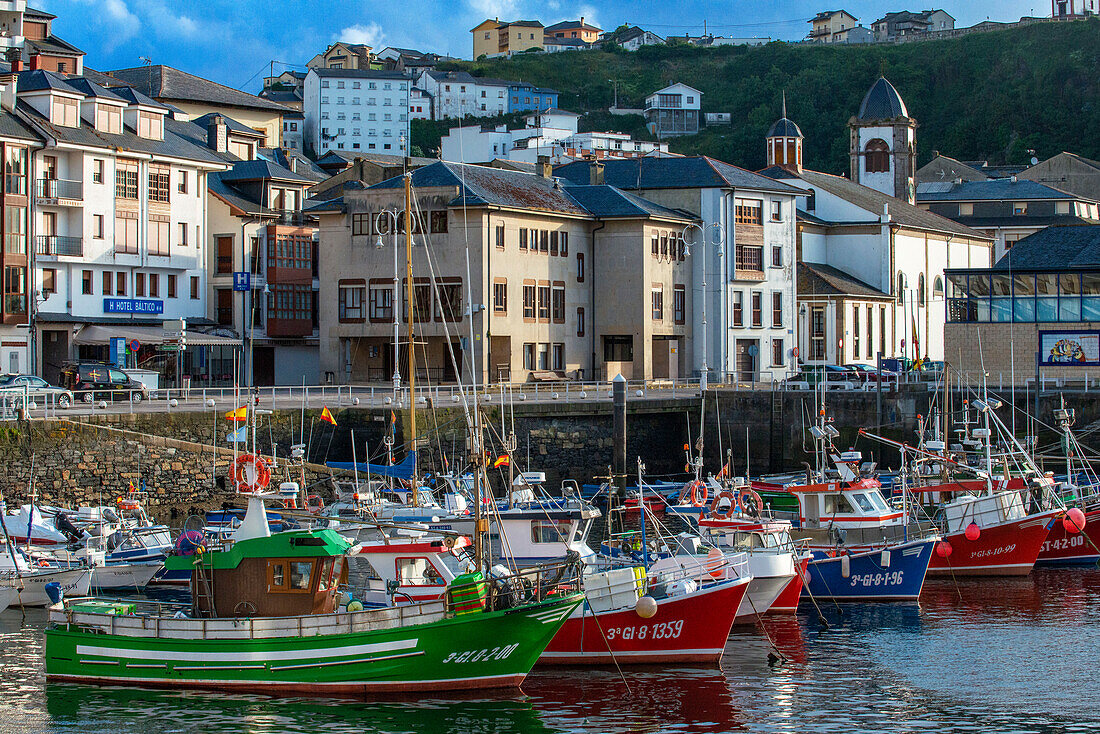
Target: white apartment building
column 119, row 206
column 539, row 137
column 459, row 94
column 356, row 109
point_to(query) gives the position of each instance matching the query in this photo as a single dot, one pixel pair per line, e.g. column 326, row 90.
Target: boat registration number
column 659, row 631
column 1064, row 543
column 990, row 552
column 893, row 578
column 477, row 656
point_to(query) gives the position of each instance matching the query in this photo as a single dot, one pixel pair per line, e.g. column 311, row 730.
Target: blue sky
column 234, row 41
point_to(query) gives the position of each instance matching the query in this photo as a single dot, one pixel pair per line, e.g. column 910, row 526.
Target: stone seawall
column 92, row 460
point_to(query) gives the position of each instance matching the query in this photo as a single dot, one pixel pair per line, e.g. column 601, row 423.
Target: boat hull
column 73, row 581
column 687, row 629
column 867, row 577
column 1008, row 549
column 124, row 575
column 1067, row 549
column 484, row 650
column 762, row 593
column 787, row 601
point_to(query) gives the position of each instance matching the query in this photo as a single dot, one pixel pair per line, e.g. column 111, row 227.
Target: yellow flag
column 240, row 414
column 326, row 415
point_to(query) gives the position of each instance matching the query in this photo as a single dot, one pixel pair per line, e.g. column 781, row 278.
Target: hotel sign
column 133, row 305
column 1069, row 348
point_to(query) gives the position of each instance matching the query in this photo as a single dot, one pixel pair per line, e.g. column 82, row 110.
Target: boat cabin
column 543, row 532
column 412, row 569
column 747, row 535
column 282, row 575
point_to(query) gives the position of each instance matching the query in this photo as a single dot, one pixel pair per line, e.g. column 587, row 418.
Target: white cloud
column 371, row 34
column 494, row 8
column 118, row 19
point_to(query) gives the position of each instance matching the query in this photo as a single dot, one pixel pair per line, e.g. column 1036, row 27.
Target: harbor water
column 982, row 655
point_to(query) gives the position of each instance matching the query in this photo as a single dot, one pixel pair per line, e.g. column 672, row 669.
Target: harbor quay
column 181, row 458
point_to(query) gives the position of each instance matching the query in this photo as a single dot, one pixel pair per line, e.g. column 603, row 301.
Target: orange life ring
column 724, row 494
column 125, row 504
column 314, row 503
column 261, row 475
column 758, row 504
column 691, row 489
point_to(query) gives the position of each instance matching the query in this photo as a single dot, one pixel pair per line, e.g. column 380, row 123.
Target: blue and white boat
column 863, row 549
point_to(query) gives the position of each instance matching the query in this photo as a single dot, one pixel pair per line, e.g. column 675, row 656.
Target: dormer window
column 65, row 112
column 150, row 126
column 108, row 119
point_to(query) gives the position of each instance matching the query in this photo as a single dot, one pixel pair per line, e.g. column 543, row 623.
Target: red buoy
column 943, row 549
column 973, row 532
column 1074, row 521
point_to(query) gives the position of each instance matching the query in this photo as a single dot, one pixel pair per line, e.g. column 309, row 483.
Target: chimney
column 582, row 20
column 544, row 168
column 217, row 134
column 35, row 64
column 14, row 57
column 595, row 173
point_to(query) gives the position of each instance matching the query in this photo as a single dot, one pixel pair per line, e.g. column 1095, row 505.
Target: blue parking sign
column 242, row 281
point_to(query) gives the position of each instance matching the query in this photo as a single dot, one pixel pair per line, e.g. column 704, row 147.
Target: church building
column 870, row 262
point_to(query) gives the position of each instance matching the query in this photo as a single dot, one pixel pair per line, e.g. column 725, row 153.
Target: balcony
column 7, row 42
column 58, row 189
column 55, row 244
column 13, row 6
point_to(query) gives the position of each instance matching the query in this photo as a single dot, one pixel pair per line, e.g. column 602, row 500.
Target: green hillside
column 985, row 96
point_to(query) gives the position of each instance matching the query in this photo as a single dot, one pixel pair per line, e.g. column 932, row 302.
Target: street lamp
column 712, row 228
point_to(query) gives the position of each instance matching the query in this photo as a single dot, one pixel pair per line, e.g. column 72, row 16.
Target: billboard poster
column 1069, row 348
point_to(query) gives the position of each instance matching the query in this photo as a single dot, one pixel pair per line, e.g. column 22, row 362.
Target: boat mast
column 409, row 330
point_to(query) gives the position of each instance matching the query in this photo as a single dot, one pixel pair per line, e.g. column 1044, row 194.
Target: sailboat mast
column 409, row 334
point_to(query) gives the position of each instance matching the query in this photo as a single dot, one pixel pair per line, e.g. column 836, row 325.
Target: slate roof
column 873, row 201
column 554, row 41
column 997, row 189
column 90, row 89
column 12, row 125
column 284, row 158
column 165, row 82
column 571, row 25
column 173, row 146
column 259, row 169
column 610, row 202
column 203, row 121
column 479, row 185
column 688, row 172
column 282, row 96
column 1025, row 220
column 233, row 197
column 554, row 111
column 133, row 96
column 382, row 159
column 40, row 79
column 362, row 73
column 784, row 128
column 197, row 136
column 1055, row 248
column 825, row 280
column 882, row 102
column 36, row 14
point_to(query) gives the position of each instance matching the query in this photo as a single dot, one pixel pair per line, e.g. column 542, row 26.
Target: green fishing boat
column 265, row 618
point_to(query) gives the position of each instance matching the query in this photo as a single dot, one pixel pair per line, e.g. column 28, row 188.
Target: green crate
column 116, row 608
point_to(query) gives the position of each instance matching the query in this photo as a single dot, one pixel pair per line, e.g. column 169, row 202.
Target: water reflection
column 1011, row 655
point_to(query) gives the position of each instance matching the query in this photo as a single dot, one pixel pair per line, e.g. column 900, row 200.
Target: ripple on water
column 1009, row 655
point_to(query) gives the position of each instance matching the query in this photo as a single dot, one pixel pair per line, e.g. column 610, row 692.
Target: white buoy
column 638, row 393
column 583, row 395
column 387, row 400
column 556, row 396
column 173, row 403
column 32, row 405
column 355, row 401
column 646, row 607
column 454, row 398
column 210, row 403
column 103, row 405
column 886, row 559
column 845, row 566
column 523, row 396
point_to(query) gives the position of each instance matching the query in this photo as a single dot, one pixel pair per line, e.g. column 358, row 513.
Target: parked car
column 35, row 388
column 836, row 377
column 868, row 374
column 90, row 381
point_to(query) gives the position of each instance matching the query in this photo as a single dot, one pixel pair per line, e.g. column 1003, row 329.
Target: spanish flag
column 502, row 460
column 326, row 415
column 238, row 415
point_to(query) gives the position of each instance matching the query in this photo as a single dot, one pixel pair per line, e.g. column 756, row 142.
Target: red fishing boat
column 991, row 526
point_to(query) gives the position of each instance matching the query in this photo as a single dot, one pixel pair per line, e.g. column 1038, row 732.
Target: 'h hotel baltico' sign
column 133, row 305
